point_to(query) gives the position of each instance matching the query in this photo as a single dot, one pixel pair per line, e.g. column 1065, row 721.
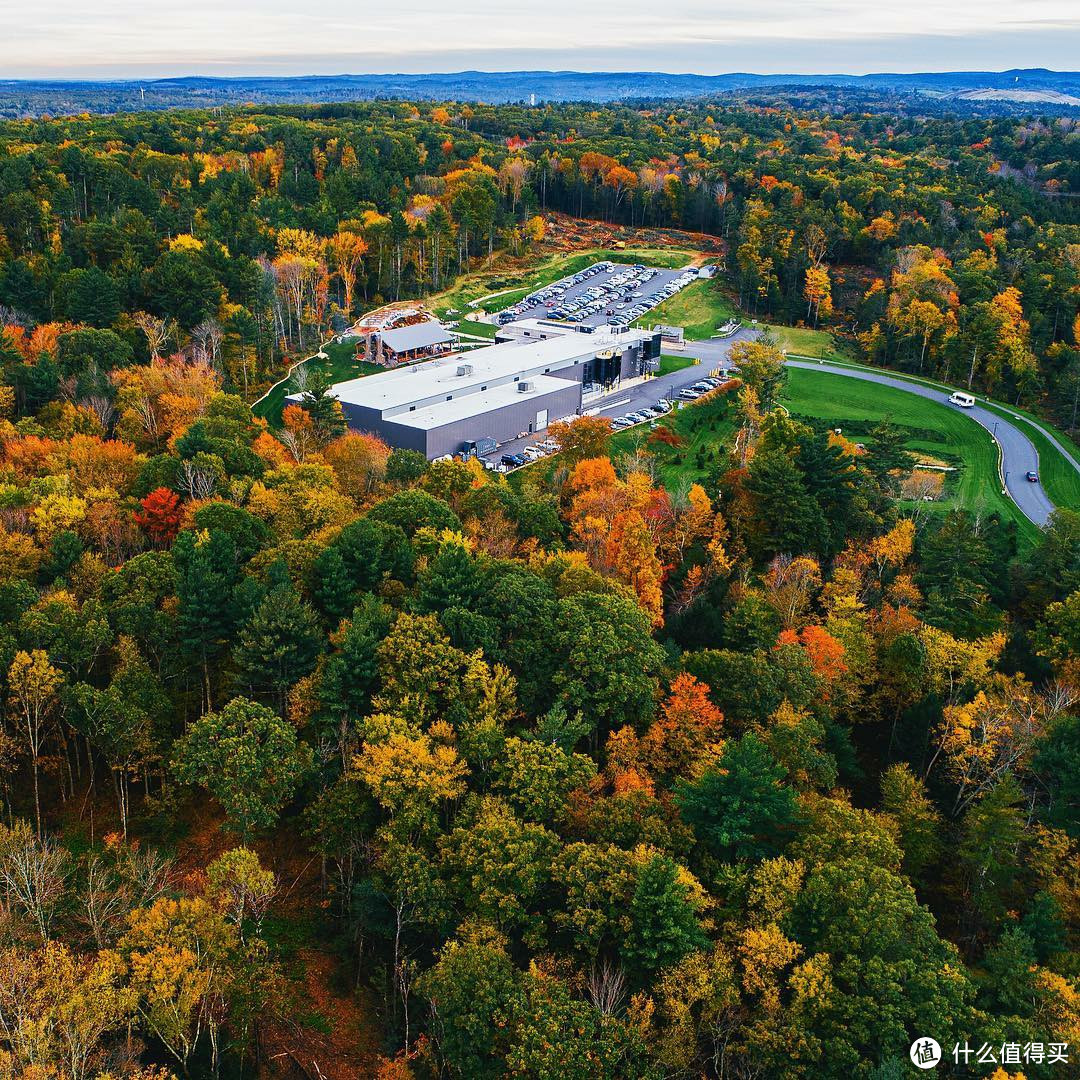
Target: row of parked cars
column 552, row 294
column 621, row 298
column 530, row 453
column 650, row 412
column 648, row 302
column 702, row 386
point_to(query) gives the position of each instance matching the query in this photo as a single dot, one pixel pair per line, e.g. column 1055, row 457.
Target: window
column 449, row 397
column 412, row 408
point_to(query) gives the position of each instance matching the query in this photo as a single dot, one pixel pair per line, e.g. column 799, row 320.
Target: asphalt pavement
column 653, row 286
column 620, row 401
column 1018, row 453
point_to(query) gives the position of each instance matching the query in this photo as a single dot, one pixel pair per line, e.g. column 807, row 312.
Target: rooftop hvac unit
column 464, row 369
column 526, row 387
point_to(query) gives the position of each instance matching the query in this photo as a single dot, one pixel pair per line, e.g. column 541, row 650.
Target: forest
column 319, row 759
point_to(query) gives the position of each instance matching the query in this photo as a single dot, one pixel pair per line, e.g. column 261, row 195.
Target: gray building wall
column 505, row 423
column 360, row 418
column 501, row 424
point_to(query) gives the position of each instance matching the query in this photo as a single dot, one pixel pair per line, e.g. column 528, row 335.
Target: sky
column 156, row 38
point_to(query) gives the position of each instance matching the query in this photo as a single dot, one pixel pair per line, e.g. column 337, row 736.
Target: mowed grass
column 1059, row 470
column 933, row 430
column 699, row 309
column 704, row 429
column 670, row 363
column 802, row 341
column 477, row 329
column 341, row 364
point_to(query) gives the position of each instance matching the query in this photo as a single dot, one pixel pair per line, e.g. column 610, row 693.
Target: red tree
column 160, row 516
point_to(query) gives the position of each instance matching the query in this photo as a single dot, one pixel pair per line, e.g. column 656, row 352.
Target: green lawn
column 933, row 430
column 669, row 363
column 478, row 329
column 819, row 344
column 341, row 364
column 1057, row 471
column 699, row 308
column 705, row 429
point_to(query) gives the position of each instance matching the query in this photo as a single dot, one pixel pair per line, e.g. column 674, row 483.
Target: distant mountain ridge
column 1030, row 86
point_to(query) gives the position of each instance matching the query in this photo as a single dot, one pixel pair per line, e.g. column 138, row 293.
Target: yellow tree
column 32, row 704
column 409, row 775
column 991, row 736
column 790, row 585
column 346, row 251
column 817, row 292
column 56, row 1009
column 179, row 957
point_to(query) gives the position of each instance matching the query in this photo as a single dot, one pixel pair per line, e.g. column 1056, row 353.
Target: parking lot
column 712, row 356
column 605, row 292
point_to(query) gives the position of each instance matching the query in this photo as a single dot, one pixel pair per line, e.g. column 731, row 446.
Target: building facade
column 515, row 387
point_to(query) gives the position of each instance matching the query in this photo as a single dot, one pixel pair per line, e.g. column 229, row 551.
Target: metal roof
column 427, row 383
column 498, row 397
column 417, row 336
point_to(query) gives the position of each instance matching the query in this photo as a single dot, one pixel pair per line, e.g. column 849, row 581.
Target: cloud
column 122, row 38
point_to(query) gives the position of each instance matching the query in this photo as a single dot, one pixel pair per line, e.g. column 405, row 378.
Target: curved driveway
column 1018, row 453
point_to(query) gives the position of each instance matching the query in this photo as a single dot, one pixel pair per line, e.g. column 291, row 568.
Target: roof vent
column 526, row 387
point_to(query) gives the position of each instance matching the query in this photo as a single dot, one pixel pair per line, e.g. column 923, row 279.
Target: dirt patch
column 564, row 233
column 335, row 1040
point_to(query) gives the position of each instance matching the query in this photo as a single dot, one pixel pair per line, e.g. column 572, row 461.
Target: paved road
column 1018, row 453
column 712, row 354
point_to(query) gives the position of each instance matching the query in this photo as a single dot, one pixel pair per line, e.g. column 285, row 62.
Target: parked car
column 513, row 461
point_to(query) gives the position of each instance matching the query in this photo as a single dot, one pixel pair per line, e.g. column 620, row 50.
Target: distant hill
column 1016, row 88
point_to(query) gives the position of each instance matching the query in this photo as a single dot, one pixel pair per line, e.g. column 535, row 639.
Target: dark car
column 1033, row 477
column 513, row 461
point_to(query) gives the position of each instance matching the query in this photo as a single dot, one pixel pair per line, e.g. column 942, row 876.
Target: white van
column 965, row 401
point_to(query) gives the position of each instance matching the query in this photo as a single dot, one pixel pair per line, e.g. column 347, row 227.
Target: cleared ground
column 700, row 308
column 514, row 285
column 802, row 341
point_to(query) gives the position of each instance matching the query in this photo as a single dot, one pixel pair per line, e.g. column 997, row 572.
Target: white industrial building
column 514, row 387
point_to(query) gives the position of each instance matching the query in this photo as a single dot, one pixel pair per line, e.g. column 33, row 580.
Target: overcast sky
column 146, row 38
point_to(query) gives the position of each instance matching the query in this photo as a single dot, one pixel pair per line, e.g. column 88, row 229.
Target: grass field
column 669, row 363
column 699, row 308
column 705, row 429
column 478, row 329
column 819, row 344
column 341, row 364
column 1058, row 471
column 933, row 430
